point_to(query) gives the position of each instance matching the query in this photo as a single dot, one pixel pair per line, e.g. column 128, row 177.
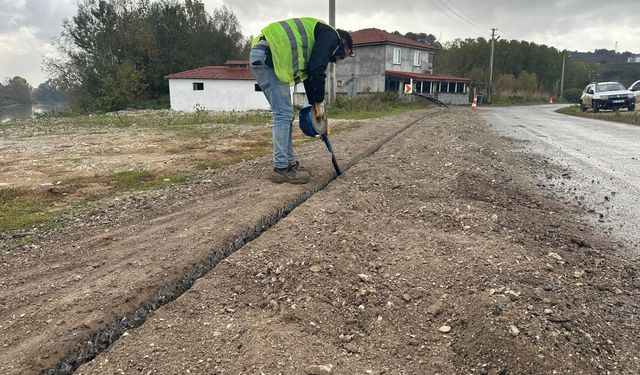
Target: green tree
column 121, row 85
column 50, row 91
column 518, row 65
column 117, row 52
column 421, row 37
column 15, row 91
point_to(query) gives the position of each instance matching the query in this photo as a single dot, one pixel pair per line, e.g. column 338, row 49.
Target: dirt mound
column 437, row 254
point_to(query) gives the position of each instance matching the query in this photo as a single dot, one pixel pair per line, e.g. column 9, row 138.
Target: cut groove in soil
column 103, row 338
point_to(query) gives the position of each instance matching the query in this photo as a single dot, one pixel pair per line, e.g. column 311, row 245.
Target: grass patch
column 366, row 107
column 22, row 209
column 150, row 119
column 622, row 116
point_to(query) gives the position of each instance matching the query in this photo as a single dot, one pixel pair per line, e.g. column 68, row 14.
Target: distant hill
column 608, row 65
column 601, row 56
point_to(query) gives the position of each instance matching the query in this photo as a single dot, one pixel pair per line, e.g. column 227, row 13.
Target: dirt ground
column 438, row 253
column 44, row 152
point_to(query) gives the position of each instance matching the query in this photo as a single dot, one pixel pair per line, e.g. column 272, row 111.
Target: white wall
column 218, row 95
column 453, row 98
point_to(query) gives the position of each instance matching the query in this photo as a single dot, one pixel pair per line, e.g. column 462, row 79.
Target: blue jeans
column 279, row 97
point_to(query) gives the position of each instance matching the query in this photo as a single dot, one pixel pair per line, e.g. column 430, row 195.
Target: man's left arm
column 325, row 43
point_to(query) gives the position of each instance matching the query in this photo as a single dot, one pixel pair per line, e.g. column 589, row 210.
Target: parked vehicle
column 607, row 95
column 635, row 88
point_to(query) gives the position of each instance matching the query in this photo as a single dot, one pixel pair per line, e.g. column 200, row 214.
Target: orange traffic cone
column 474, row 104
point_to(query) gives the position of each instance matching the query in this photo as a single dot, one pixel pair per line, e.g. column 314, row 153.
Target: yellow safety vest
column 291, row 42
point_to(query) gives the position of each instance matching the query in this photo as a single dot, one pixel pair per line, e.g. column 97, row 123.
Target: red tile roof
column 376, row 36
column 216, row 72
column 426, row 77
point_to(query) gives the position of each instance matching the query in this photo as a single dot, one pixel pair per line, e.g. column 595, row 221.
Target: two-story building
column 384, row 61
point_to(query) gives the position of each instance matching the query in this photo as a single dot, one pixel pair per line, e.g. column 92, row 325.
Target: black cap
column 347, row 42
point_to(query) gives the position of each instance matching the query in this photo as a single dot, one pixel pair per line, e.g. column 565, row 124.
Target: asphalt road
column 600, row 162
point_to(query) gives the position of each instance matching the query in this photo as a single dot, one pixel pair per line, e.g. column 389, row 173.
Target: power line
column 461, row 17
column 481, row 24
column 452, row 18
column 472, row 27
column 477, row 23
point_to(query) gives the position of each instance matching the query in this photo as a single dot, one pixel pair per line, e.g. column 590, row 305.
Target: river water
column 26, row 111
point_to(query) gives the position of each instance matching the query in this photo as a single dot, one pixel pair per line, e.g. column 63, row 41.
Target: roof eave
column 426, row 48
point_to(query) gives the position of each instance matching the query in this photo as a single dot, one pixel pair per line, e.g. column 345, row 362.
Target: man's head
column 346, row 44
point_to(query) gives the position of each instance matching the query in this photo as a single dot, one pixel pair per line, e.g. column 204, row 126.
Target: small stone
column 548, row 267
column 352, row 348
column 444, row 329
column 494, row 217
column 318, row 370
column 514, row 330
column 406, row 297
column 555, row 256
column 514, row 296
column 315, row 268
column 578, row 274
column 548, row 311
column 345, row 338
column 436, row 308
column 364, row 277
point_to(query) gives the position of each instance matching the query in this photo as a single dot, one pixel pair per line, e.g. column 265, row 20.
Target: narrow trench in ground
column 102, row 339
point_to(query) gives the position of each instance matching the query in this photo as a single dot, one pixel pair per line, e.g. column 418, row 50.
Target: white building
column 231, row 87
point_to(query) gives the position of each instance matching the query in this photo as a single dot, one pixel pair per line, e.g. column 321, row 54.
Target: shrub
column 572, row 95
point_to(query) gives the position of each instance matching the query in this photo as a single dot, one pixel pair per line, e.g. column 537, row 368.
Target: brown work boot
column 300, row 168
column 290, row 175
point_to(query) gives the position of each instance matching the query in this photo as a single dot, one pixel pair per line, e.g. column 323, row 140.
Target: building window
column 396, row 56
column 198, row 86
column 417, row 58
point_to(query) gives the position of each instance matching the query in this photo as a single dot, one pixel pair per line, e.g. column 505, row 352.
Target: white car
column 635, row 88
column 607, row 95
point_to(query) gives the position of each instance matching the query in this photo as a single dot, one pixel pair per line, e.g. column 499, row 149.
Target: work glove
column 318, row 112
column 320, row 122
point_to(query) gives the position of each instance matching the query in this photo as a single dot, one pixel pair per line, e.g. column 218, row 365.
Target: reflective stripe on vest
column 291, row 42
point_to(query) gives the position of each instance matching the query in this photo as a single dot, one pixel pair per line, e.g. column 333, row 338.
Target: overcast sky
column 27, row 27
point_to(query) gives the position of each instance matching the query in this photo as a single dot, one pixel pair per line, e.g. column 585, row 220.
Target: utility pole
column 332, row 66
column 564, row 57
column 493, row 38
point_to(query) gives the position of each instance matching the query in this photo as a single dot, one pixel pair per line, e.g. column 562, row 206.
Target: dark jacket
column 326, row 40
